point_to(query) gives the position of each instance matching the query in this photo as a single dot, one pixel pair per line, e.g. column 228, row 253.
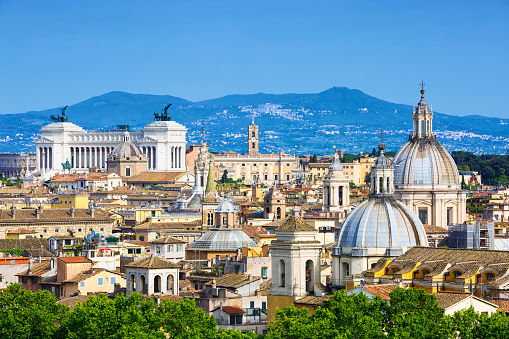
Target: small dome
column 425, row 161
column 382, row 222
column 223, row 239
column 336, row 164
column 225, row 207
column 126, row 148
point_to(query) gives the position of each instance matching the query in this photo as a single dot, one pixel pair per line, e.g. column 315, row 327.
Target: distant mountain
column 295, row 123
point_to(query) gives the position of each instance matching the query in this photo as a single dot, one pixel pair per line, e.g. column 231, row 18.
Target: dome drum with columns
column 426, row 178
column 379, row 227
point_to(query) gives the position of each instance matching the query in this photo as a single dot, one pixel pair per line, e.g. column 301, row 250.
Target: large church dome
column 383, row 223
column 423, row 160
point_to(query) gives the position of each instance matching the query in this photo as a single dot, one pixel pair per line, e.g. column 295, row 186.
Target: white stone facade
column 152, row 281
column 163, row 142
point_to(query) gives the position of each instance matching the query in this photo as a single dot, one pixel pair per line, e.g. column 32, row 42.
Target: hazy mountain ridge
column 296, row 123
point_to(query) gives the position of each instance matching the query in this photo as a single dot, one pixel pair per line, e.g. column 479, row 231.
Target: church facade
column 426, row 178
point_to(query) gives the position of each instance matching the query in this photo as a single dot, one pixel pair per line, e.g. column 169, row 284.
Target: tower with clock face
column 252, row 139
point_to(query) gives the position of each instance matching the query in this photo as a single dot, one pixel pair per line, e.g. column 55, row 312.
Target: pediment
column 43, row 140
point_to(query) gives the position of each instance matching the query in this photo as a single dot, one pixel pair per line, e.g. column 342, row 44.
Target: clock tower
column 252, row 139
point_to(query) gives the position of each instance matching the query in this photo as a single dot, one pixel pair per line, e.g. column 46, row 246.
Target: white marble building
column 164, row 143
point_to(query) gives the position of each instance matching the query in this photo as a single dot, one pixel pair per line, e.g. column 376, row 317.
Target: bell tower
column 252, row 139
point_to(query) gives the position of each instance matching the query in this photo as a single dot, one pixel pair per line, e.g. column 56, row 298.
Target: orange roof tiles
column 73, row 260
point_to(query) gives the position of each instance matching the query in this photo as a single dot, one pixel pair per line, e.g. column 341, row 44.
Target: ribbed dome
column 225, row 207
column 126, row 148
column 223, row 239
column 424, row 161
column 382, row 222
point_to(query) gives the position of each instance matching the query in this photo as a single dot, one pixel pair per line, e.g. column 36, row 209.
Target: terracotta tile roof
column 502, row 303
column 381, row 290
column 312, row 300
column 156, row 177
column 37, row 252
column 24, row 244
column 168, row 240
column 37, row 270
column 167, row 225
column 234, row 280
column 434, row 229
column 52, row 215
column 435, row 267
column 152, row 262
column 21, row 231
column 233, row 310
column 380, row 264
column 448, row 299
column 295, row 224
column 74, row 260
column 275, row 223
column 80, row 176
column 73, row 301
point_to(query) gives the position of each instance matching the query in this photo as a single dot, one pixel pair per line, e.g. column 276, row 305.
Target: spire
column 211, row 186
column 252, row 120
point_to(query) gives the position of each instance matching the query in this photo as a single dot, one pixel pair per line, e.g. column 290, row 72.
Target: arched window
column 345, row 268
column 388, row 185
column 210, row 218
column 309, row 276
column 267, row 210
column 133, row 282
column 143, row 285
column 381, row 185
column 278, row 213
column 157, row 284
column 282, row 278
column 169, row 284
column 421, row 131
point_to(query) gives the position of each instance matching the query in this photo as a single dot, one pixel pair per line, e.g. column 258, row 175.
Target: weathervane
column 422, row 84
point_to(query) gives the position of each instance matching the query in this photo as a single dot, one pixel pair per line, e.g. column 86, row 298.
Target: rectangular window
column 100, row 281
column 266, row 177
column 158, row 249
column 264, row 272
column 57, row 230
column 113, row 280
column 275, row 177
column 127, row 172
column 264, row 305
column 251, row 304
column 82, row 284
column 423, row 215
column 170, row 248
column 288, row 177
column 449, row 215
column 12, row 261
column 179, row 248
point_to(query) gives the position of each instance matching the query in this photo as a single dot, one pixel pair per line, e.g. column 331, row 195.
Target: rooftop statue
column 163, row 116
column 60, row 118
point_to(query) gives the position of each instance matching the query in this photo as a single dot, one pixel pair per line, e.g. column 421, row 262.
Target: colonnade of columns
column 176, row 157
column 86, row 157
column 44, row 158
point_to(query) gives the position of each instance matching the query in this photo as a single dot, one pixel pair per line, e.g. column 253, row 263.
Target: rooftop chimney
column 38, row 211
column 13, row 210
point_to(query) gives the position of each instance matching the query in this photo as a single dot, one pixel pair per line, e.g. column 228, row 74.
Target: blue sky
column 61, row 52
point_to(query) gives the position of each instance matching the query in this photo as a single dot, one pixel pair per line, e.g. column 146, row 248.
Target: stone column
column 38, row 158
column 154, row 156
